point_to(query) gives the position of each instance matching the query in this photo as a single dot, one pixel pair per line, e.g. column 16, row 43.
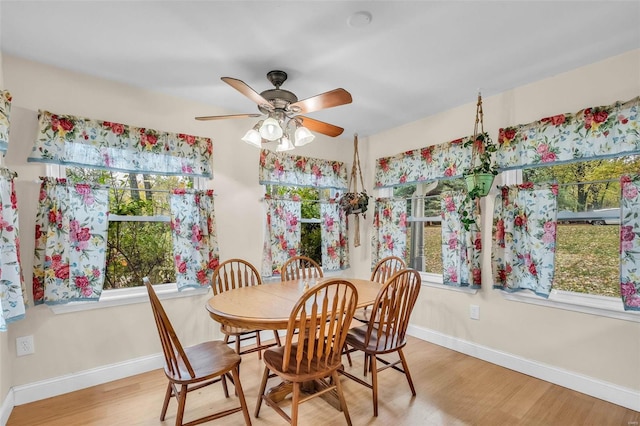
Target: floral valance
column 596, row 132
column 443, row 161
column 69, row 140
column 5, row 111
column 279, row 168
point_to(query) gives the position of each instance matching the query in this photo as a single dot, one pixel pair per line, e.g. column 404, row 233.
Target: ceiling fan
column 282, row 108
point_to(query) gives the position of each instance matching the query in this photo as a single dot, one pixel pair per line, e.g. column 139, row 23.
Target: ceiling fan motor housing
column 280, row 98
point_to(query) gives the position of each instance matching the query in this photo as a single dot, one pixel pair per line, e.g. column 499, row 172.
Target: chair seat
column 208, row 360
column 308, row 370
column 357, row 336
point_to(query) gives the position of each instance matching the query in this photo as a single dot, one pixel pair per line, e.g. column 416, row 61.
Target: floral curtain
column 596, row 132
column 461, row 248
column 630, row 242
column 71, row 239
column 12, row 289
column 443, row 161
column 70, row 140
column 335, row 246
column 282, row 235
column 281, row 168
column 5, row 111
column 389, row 229
column 524, row 227
column 195, row 241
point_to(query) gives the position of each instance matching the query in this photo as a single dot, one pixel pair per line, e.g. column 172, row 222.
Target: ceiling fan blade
column 320, row 126
column 325, row 100
column 222, row 117
column 244, row 88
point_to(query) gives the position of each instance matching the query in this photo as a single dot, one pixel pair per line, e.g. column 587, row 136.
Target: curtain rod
column 102, row 186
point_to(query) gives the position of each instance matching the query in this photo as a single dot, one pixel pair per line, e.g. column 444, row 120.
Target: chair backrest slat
column 300, row 267
column 386, row 267
column 234, row 273
column 174, row 354
column 393, row 307
column 322, row 315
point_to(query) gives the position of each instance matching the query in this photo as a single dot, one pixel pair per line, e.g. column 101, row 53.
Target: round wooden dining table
column 268, row 306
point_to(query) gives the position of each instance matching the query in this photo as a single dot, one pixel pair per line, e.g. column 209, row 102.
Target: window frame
column 604, row 306
column 428, row 279
column 130, row 295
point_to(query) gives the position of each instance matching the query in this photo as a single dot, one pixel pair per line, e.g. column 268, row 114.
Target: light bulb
column 270, row 129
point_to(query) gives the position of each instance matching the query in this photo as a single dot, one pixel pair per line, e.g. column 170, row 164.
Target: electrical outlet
column 474, row 312
column 24, row 345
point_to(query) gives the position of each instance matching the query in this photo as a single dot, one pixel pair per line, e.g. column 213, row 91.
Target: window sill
column 435, row 281
column 128, row 296
column 604, row 306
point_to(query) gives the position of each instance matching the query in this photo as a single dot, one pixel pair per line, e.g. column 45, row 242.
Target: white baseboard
column 72, row 382
column 618, row 395
column 625, row 397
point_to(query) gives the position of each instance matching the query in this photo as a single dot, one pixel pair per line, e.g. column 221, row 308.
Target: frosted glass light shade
column 285, row 145
column 270, row 129
column 303, row 136
column 252, row 137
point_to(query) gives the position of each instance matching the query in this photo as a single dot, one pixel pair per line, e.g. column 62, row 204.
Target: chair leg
column 182, row 399
column 295, row 403
column 405, row 367
column 258, row 344
column 237, row 341
column 374, row 383
column 263, row 386
column 343, row 402
column 165, row 405
column 223, row 378
column 236, row 380
column 366, row 364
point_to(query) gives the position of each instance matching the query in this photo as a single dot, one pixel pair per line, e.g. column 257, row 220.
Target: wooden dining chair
column 383, row 270
column 194, row 367
column 300, row 267
column 229, row 275
column 322, row 314
column 386, row 330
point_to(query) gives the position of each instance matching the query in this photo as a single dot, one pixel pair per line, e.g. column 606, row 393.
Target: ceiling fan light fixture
column 270, row 129
column 303, row 136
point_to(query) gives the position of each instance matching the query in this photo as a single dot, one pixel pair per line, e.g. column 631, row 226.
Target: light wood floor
column 452, row 389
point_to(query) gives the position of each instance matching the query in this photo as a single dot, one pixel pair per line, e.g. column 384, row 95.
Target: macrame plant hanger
column 356, row 172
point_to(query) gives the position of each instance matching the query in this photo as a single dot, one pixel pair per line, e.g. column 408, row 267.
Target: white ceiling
column 414, row 59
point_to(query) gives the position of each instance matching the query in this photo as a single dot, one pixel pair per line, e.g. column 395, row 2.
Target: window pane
column 141, row 246
column 588, row 232
column 424, row 236
column 310, row 232
column 136, row 250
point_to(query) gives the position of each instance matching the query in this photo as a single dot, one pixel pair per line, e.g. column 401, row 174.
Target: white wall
column 602, row 348
column 5, row 370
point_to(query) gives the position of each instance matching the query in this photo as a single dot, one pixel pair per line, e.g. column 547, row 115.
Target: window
column 310, row 218
column 588, row 231
column 139, row 239
column 424, row 235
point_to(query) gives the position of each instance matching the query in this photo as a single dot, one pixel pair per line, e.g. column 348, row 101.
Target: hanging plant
column 479, row 177
column 355, row 202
